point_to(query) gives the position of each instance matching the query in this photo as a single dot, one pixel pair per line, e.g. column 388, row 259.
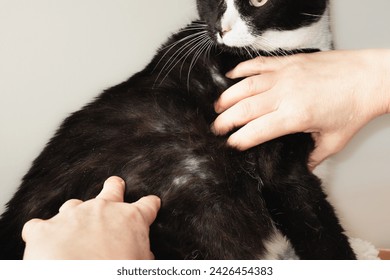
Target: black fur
column 154, row 131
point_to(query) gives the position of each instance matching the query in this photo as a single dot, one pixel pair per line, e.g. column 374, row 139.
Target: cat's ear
column 258, row 3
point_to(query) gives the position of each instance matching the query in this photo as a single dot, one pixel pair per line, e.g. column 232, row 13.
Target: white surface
column 56, row 55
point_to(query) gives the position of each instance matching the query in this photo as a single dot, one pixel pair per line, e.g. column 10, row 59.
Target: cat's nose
column 222, row 32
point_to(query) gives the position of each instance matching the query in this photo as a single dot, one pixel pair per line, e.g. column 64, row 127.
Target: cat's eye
column 258, row 3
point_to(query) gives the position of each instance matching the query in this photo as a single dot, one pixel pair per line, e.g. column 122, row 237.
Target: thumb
column 326, row 145
column 113, row 189
column 148, row 207
column 316, row 157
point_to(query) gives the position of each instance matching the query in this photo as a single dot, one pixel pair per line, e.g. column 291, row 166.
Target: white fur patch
column 364, row 250
column 181, row 180
column 236, row 33
column 316, row 35
column 278, row 247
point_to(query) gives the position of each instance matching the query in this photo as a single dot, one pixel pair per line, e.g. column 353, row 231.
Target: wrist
column 374, row 84
column 381, row 68
column 386, row 79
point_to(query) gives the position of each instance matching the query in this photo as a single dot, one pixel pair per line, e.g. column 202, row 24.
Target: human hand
column 329, row 94
column 100, row 228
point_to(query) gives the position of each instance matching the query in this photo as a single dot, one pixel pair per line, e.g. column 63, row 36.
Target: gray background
column 55, row 56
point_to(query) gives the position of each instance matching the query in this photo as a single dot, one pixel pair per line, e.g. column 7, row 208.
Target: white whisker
column 192, row 49
column 314, row 15
column 188, row 48
column 202, row 47
column 171, row 46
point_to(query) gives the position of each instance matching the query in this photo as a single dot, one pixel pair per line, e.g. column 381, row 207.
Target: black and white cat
column 153, row 130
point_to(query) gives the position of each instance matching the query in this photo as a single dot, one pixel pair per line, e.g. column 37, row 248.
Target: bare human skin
column 95, row 229
column 331, row 95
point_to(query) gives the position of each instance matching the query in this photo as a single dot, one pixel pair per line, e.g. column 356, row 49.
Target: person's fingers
column 243, row 89
column 243, row 112
column 258, row 65
column 113, row 189
column 148, row 207
column 151, row 256
column 29, row 228
column 326, row 145
column 260, row 130
column 70, row 204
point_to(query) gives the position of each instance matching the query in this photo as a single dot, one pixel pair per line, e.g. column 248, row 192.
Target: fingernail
column 217, row 107
column 231, row 141
column 234, row 142
column 117, row 180
column 229, row 74
column 159, row 201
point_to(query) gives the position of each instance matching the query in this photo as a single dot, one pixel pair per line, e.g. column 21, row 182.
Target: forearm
column 378, row 78
column 386, row 79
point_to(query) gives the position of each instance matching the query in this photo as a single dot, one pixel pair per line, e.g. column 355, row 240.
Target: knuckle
column 99, row 205
column 297, row 118
column 135, row 213
column 251, row 84
column 246, row 109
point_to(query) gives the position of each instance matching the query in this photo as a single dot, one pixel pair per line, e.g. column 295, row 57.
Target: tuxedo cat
column 153, row 130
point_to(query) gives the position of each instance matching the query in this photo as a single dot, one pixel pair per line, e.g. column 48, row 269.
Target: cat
column 153, row 130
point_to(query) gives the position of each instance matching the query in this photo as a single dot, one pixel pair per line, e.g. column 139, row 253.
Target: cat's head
column 267, row 25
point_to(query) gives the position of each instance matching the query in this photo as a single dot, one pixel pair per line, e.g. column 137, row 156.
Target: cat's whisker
column 268, row 49
column 254, row 50
column 171, row 61
column 260, row 48
column 195, row 25
column 171, row 64
column 167, row 63
column 316, row 16
column 191, row 28
column 272, row 50
column 171, row 46
column 210, row 46
column 247, row 49
column 192, row 49
column 196, row 56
